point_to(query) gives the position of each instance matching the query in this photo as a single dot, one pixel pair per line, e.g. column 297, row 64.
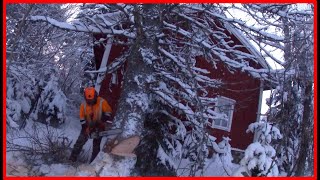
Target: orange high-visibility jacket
column 93, row 113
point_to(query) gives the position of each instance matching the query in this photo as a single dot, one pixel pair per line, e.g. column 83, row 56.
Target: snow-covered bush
column 226, row 157
column 260, row 157
column 51, row 105
column 222, row 156
column 34, row 52
column 21, row 94
column 200, row 158
column 32, row 94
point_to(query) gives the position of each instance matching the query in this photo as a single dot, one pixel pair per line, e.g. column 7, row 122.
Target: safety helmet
column 90, row 94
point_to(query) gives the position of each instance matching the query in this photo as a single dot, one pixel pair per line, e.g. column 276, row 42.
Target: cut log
column 126, row 147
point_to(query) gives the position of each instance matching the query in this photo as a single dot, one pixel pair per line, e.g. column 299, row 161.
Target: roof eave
column 248, row 45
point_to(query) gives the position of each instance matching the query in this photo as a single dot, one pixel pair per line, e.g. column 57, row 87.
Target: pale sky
column 264, row 107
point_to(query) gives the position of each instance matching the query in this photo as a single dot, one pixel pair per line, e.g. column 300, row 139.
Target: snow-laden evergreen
column 260, row 157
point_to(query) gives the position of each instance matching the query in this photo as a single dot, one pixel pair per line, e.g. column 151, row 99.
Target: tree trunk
column 303, row 152
column 134, row 99
column 130, row 113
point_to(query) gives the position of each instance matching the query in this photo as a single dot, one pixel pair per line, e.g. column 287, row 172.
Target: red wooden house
column 242, row 93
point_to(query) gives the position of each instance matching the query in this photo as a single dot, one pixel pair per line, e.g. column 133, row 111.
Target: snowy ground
column 103, row 165
column 213, row 167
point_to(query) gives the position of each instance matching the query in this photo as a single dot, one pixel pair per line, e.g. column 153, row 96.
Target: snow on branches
column 51, row 105
column 260, row 157
column 19, row 95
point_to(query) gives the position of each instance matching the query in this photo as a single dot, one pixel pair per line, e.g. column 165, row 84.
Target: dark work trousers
column 82, row 139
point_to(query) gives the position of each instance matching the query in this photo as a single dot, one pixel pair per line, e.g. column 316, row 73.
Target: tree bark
column 303, row 152
column 130, row 115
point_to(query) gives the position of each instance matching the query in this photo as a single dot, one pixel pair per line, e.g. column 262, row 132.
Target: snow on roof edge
column 249, row 46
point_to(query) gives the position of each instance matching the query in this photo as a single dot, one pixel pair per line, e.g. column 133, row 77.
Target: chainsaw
column 110, row 132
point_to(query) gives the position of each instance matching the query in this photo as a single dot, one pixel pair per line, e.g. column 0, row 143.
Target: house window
column 225, row 106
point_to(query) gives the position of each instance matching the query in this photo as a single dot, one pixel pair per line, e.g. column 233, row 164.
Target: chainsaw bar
column 110, row 132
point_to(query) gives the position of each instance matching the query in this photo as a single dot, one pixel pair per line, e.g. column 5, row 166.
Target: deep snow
column 103, row 165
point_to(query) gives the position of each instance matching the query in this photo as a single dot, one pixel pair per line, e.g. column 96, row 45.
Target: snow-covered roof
column 247, row 44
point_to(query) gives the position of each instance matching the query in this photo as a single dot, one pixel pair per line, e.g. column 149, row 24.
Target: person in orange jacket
column 95, row 114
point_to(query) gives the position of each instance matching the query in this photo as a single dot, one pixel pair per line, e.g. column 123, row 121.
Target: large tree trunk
column 130, row 112
column 305, row 140
column 135, row 97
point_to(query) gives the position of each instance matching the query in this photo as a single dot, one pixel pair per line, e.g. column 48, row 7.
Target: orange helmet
column 90, row 93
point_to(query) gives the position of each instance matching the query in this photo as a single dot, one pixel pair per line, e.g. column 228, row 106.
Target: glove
column 106, row 117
